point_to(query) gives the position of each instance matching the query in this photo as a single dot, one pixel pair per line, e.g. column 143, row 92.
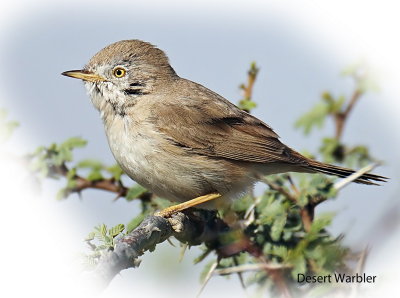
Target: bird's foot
column 167, row 212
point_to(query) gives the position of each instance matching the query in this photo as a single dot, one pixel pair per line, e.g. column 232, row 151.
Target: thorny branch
column 193, row 228
column 107, row 184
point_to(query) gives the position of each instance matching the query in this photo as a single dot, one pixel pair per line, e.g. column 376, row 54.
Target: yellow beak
column 84, row 75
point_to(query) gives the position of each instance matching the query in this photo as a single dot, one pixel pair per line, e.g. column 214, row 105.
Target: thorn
column 208, row 277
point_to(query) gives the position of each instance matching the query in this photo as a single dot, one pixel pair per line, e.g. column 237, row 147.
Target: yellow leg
column 185, row 205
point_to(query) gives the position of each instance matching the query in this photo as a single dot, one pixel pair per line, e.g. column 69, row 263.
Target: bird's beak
column 84, row 75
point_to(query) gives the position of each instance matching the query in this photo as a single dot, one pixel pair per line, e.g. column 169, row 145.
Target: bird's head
column 123, row 72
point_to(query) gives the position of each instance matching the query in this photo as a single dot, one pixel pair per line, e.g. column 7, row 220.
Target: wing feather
column 210, row 125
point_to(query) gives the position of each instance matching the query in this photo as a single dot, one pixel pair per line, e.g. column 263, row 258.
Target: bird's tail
column 329, row 169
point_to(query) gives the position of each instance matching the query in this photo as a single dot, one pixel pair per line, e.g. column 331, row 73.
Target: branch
column 341, row 117
column 250, row 267
column 246, row 103
column 280, row 189
column 306, row 212
column 110, row 184
column 201, row 226
column 204, row 227
column 146, row 236
column 344, row 182
column 251, row 78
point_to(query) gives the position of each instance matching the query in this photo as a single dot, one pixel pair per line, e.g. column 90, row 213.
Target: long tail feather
column 329, row 169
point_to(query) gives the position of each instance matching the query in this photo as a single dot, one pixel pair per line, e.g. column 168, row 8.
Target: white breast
column 134, row 147
column 138, row 149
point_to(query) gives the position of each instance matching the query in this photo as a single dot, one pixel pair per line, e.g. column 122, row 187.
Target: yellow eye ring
column 119, row 72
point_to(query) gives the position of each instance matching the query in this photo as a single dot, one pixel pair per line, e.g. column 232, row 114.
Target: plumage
column 180, row 139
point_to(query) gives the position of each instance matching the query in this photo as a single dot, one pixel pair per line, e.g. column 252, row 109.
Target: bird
column 181, row 140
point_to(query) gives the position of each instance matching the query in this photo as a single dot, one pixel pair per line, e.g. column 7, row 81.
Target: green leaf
column 90, row 164
column 74, row 142
column 135, row 222
column 331, row 150
column 115, row 231
column 62, row 193
column 314, row 118
column 247, row 105
column 115, row 171
column 277, row 226
column 134, row 192
column 242, row 204
column 71, row 184
column 337, row 105
column 90, row 236
column 94, row 175
column 319, row 224
column 63, row 155
column 71, row 173
column 161, row 203
column 357, row 156
column 103, row 230
column 271, row 212
column 281, row 251
column 299, row 266
column 6, row 127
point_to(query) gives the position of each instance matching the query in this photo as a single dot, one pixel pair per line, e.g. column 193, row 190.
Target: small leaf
column 135, row 222
column 74, row 142
column 318, row 224
column 337, row 105
column 277, row 226
column 90, row 164
column 62, row 193
column 315, row 117
column 116, row 171
column 247, row 105
column 103, row 230
column 242, row 204
column 94, row 175
column 90, row 236
column 134, row 192
column 299, row 266
column 115, row 231
column 71, row 173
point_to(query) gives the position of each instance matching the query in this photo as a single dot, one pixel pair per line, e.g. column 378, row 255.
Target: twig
column 279, row 189
column 344, row 182
column 307, row 216
column 306, row 212
column 248, row 89
column 251, row 78
column 249, row 215
column 110, row 184
column 293, row 186
column 250, row 267
column 341, row 117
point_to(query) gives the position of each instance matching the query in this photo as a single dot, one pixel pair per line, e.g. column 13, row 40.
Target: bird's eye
column 119, row 72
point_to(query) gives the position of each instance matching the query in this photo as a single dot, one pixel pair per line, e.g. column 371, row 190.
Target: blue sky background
column 211, row 47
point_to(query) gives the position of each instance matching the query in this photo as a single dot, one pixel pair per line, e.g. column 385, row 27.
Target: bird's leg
column 188, row 204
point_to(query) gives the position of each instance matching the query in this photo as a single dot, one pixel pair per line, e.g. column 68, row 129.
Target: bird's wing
column 215, row 127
